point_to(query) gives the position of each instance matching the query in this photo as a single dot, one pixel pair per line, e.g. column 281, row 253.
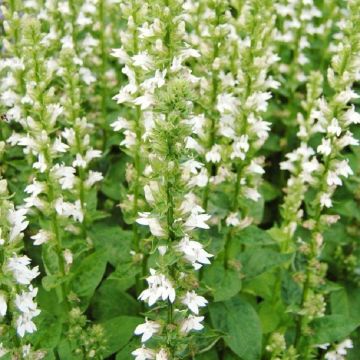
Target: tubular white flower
column 147, row 330
column 192, row 323
column 194, row 301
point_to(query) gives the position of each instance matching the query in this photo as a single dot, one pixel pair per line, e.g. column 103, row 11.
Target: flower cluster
column 296, row 27
column 18, row 307
column 160, row 89
column 324, row 168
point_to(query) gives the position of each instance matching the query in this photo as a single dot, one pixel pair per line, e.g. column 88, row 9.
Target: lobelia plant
column 18, row 307
column 236, row 117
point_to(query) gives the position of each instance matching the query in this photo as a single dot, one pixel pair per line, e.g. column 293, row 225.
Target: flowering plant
column 179, row 179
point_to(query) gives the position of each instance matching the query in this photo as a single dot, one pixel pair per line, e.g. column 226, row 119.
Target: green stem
column 231, row 231
column 104, row 92
column 211, row 168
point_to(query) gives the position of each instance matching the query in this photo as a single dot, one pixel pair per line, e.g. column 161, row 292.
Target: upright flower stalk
column 18, row 307
column 301, row 163
column 242, row 128
column 133, row 56
column 51, row 179
column 333, row 118
column 209, row 20
column 173, row 212
column 297, row 26
column 77, row 136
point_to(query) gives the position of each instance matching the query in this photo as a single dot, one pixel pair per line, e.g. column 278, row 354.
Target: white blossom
column 153, row 223
column 19, row 266
column 160, row 287
column 192, row 323
column 194, row 301
column 147, row 330
column 193, row 252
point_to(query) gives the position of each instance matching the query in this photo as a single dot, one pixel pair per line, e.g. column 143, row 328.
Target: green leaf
column 253, row 236
column 110, row 301
column 238, row 320
column 262, row 285
column 346, row 302
column 224, row 283
column 256, row 261
column 209, row 355
column 88, row 274
column 125, row 352
column 115, row 241
column 331, row 328
column 66, row 351
column 48, row 333
column 50, row 259
column 270, row 314
column 124, row 275
column 269, row 191
column 118, row 332
column 110, row 186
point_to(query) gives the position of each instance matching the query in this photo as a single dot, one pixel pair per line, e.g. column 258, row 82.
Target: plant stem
column 211, row 168
column 104, row 92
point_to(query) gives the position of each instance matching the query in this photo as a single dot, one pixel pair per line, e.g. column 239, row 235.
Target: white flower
column 24, row 323
column 3, row 304
column 162, row 249
column 227, row 103
column 150, row 190
column 193, row 252
column 92, row 154
column 41, row 163
column 130, row 139
column 152, row 222
column 346, row 344
column 24, row 302
column 67, row 209
column 258, row 101
column 143, row 354
column 343, row 168
column 251, row 194
column 255, row 168
column 240, row 147
column 65, row 175
column 348, row 139
column 79, row 161
column 17, row 221
column 351, row 116
column 94, row 177
column 59, row 147
column 121, row 54
column 162, row 355
column 143, row 60
column 18, row 265
column 155, row 82
column 214, row 155
column 334, row 128
column 194, row 301
column 41, row 237
column 159, row 288
column 197, row 220
column 233, row 219
column 120, row 124
column 192, row 323
column 147, row 330
column 333, row 179
column 325, row 200
column 36, row 188
column 144, row 101
column 68, row 256
column 325, row 147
